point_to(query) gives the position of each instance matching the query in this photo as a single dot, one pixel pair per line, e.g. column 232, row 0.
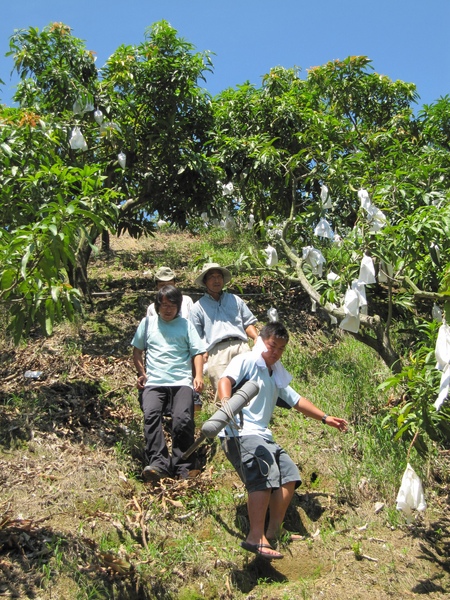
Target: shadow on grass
column 255, row 572
column 33, row 557
column 255, row 568
column 434, row 542
column 79, row 411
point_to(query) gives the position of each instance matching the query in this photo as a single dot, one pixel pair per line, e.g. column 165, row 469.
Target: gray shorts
column 260, row 463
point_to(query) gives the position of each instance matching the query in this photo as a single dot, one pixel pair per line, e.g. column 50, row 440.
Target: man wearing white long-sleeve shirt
column 222, row 319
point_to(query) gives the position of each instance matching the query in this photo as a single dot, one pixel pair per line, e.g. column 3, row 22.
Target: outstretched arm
column 307, row 408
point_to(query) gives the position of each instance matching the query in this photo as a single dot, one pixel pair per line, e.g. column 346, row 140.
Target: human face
column 275, row 348
column 161, row 284
column 167, row 310
column 214, row 282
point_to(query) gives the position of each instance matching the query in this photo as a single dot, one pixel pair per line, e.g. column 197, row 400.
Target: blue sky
column 406, row 39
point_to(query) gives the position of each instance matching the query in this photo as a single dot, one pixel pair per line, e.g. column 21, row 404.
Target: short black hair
column 172, row 294
column 274, row 329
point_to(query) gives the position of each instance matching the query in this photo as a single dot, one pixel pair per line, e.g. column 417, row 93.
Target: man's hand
column 198, row 384
column 337, row 423
column 141, row 381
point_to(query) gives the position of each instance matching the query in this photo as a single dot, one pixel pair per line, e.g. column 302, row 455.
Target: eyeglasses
column 167, row 305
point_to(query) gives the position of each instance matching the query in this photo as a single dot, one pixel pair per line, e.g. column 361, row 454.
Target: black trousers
column 179, row 400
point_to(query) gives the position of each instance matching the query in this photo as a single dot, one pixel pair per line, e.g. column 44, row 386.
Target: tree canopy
column 335, row 165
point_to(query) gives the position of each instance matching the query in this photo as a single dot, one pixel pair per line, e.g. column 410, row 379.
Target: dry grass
column 77, row 522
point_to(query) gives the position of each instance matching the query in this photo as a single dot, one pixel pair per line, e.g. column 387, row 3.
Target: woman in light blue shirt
column 173, row 369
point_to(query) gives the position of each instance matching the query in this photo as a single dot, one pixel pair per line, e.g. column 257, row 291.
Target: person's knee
column 151, row 411
column 183, row 425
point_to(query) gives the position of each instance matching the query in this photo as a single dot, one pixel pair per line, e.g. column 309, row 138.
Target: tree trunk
column 105, row 241
column 380, row 341
column 78, row 274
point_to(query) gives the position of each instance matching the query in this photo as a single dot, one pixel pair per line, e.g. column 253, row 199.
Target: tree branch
column 380, row 341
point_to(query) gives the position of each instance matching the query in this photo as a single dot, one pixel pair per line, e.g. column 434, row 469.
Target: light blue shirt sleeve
column 138, row 338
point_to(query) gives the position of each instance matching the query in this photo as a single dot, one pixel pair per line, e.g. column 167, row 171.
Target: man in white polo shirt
column 267, row 471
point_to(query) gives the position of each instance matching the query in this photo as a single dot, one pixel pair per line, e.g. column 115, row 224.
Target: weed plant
column 193, row 536
column 226, row 248
column 342, row 379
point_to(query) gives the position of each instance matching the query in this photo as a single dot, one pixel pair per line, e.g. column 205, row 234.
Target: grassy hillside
column 76, row 521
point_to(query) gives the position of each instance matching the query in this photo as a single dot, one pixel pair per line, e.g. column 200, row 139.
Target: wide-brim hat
column 164, row 274
column 199, row 280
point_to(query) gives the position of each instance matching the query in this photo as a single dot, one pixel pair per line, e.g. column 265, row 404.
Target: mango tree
column 339, row 163
column 91, row 151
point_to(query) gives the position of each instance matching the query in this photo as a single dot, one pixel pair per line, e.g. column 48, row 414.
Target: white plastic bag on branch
column 435, row 253
column 109, row 127
column 350, row 323
column 366, row 203
column 367, row 270
column 98, row 116
column 81, row 106
column 272, row 315
column 331, row 306
column 375, row 217
column 230, row 223
column 442, row 353
column 332, row 276
column 377, row 220
column 410, row 495
column 385, row 272
column 442, row 349
column 77, row 141
column 443, row 388
column 314, row 258
column 227, row 189
column 351, row 303
column 360, row 288
column 272, row 256
column 325, row 197
column 251, row 221
column 323, row 229
column 436, row 313
column 122, row 159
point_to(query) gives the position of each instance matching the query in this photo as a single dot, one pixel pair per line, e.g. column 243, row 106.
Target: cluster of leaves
column 55, row 199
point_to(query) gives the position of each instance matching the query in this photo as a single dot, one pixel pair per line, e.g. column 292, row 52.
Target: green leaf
column 6, row 148
column 55, row 293
column 49, row 316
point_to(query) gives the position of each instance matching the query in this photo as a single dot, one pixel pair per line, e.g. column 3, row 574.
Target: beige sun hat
column 199, row 280
column 164, row 274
